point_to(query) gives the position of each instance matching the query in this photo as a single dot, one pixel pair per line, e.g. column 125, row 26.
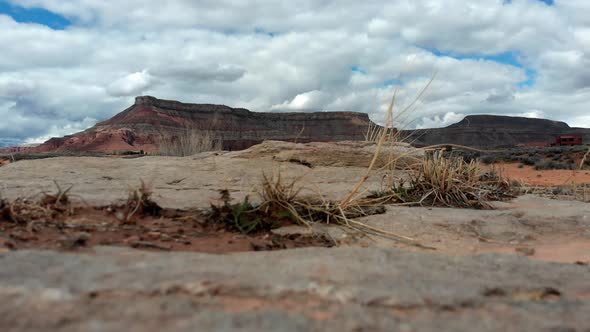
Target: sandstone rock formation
column 150, row 121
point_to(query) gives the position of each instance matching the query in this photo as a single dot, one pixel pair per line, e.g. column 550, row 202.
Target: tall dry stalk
column 387, row 131
column 346, row 201
column 575, row 172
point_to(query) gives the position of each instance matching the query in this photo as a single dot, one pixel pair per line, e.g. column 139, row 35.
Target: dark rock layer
column 491, row 131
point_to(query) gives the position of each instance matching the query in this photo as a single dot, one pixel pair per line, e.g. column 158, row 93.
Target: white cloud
column 59, row 131
column 13, row 87
column 295, row 56
column 130, row 85
column 439, row 121
column 308, row 101
column 532, row 114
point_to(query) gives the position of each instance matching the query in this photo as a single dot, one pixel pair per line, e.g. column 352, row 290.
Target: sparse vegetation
column 189, row 142
column 139, row 201
column 551, row 164
column 48, row 208
column 449, row 182
column 543, row 158
column 281, row 203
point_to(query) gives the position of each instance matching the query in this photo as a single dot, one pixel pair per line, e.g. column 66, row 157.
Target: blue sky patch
column 391, row 82
column 531, row 75
column 508, row 58
column 358, row 69
column 547, row 2
column 34, row 15
column 261, row 31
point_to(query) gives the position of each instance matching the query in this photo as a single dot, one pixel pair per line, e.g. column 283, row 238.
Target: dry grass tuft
column 26, row 211
column 189, row 142
column 449, row 182
column 281, row 203
column 140, row 201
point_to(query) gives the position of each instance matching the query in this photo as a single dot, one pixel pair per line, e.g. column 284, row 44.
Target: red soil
column 172, row 231
column 548, row 178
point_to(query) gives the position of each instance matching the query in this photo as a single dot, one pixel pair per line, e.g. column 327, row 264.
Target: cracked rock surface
column 344, row 289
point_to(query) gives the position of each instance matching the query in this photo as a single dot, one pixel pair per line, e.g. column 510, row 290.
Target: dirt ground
column 186, row 187
column 173, row 230
column 548, row 178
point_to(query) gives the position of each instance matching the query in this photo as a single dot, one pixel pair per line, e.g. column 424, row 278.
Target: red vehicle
column 568, row 140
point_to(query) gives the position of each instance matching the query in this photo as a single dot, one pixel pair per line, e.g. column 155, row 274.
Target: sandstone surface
column 521, row 267
column 346, row 289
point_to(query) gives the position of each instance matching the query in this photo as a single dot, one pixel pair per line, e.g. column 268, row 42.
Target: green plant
column 244, row 216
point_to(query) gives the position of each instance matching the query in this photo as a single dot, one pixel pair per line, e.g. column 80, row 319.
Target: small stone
column 525, row 251
column 75, row 241
column 153, row 235
column 132, row 239
column 165, row 237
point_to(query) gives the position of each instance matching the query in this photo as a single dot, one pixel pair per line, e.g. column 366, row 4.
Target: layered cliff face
column 491, row 131
column 150, row 121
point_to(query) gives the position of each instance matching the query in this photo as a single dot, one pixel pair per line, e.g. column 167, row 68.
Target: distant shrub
column 530, row 161
column 488, row 159
column 551, row 164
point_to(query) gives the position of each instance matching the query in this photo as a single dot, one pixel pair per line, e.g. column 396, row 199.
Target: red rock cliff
column 150, row 120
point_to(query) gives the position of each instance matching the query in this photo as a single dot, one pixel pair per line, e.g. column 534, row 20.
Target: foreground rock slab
column 195, row 181
column 298, row 290
column 547, row 229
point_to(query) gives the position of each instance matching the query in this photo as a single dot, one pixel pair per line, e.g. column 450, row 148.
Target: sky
column 66, row 65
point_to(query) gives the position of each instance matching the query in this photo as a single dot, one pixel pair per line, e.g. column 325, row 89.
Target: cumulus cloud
column 14, row 87
column 131, row 84
column 519, row 57
column 499, row 98
column 307, row 101
column 62, row 130
column 214, row 72
column 439, row 121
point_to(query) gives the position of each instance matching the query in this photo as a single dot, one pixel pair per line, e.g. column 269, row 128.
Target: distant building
column 568, row 140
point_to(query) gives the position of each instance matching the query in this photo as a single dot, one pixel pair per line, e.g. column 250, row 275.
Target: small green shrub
column 488, row 160
column 530, row 161
column 552, row 164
